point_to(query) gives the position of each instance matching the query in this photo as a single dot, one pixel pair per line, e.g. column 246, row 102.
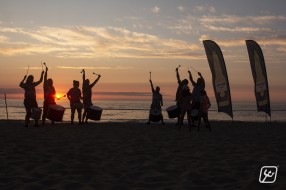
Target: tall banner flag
column 259, row 74
column 219, row 77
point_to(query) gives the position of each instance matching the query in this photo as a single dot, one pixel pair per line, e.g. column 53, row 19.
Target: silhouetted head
column 157, row 89
column 86, row 82
column 50, row 82
column 199, row 81
column 76, row 83
column 185, row 82
column 186, row 88
column 30, row 79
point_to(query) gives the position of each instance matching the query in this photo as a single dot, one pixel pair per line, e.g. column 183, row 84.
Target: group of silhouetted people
column 74, row 95
column 187, row 102
column 196, row 101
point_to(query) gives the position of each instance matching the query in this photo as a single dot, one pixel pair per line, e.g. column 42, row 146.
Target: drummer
column 179, row 91
column 74, row 95
column 198, row 87
column 87, row 94
column 186, row 99
column 49, row 96
column 30, row 96
column 157, row 101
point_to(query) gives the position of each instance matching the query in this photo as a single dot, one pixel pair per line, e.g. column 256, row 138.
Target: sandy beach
column 137, row 156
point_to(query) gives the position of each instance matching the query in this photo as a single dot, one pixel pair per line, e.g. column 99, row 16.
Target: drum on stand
column 36, row 113
column 195, row 114
column 173, row 111
column 94, row 113
column 155, row 115
column 56, row 113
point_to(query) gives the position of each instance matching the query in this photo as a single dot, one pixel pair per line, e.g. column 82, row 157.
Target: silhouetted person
column 186, row 106
column 49, row 96
column 157, row 101
column 87, row 94
column 198, row 87
column 179, row 91
column 74, row 95
column 205, row 104
column 30, row 96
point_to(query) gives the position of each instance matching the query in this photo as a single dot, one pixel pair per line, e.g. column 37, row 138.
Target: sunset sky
column 125, row 40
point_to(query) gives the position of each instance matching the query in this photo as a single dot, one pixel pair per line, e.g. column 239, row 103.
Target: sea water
column 138, row 111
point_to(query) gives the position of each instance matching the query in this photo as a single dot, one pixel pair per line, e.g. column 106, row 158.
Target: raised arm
column 191, row 78
column 83, row 75
column 95, row 81
column 203, row 80
column 46, row 77
column 22, row 82
column 41, row 79
column 178, row 76
column 152, row 87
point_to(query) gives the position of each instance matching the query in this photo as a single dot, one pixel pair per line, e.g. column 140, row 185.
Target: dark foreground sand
column 137, row 156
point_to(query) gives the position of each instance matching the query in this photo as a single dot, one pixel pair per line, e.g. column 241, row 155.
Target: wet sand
column 133, row 155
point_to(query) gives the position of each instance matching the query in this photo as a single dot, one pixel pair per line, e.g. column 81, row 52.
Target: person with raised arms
column 30, row 100
column 186, row 106
column 197, row 88
column 87, row 94
column 49, row 96
column 157, row 102
column 179, row 91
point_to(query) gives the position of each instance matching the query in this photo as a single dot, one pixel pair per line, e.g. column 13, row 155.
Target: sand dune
column 136, row 156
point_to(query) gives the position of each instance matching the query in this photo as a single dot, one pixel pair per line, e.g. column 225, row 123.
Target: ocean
column 137, row 111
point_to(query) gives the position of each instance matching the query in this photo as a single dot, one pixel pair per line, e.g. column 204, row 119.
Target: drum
column 36, row 113
column 195, row 114
column 56, row 113
column 173, row 111
column 78, row 105
column 94, row 113
column 155, row 115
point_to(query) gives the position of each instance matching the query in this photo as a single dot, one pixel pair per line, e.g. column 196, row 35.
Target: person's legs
column 179, row 107
column 79, row 115
column 84, row 115
column 189, row 119
column 72, row 113
column 195, row 105
column 45, row 110
column 183, row 112
column 206, row 120
column 28, row 115
column 162, row 119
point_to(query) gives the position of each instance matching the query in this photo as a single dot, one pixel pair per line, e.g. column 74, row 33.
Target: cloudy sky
column 125, row 40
